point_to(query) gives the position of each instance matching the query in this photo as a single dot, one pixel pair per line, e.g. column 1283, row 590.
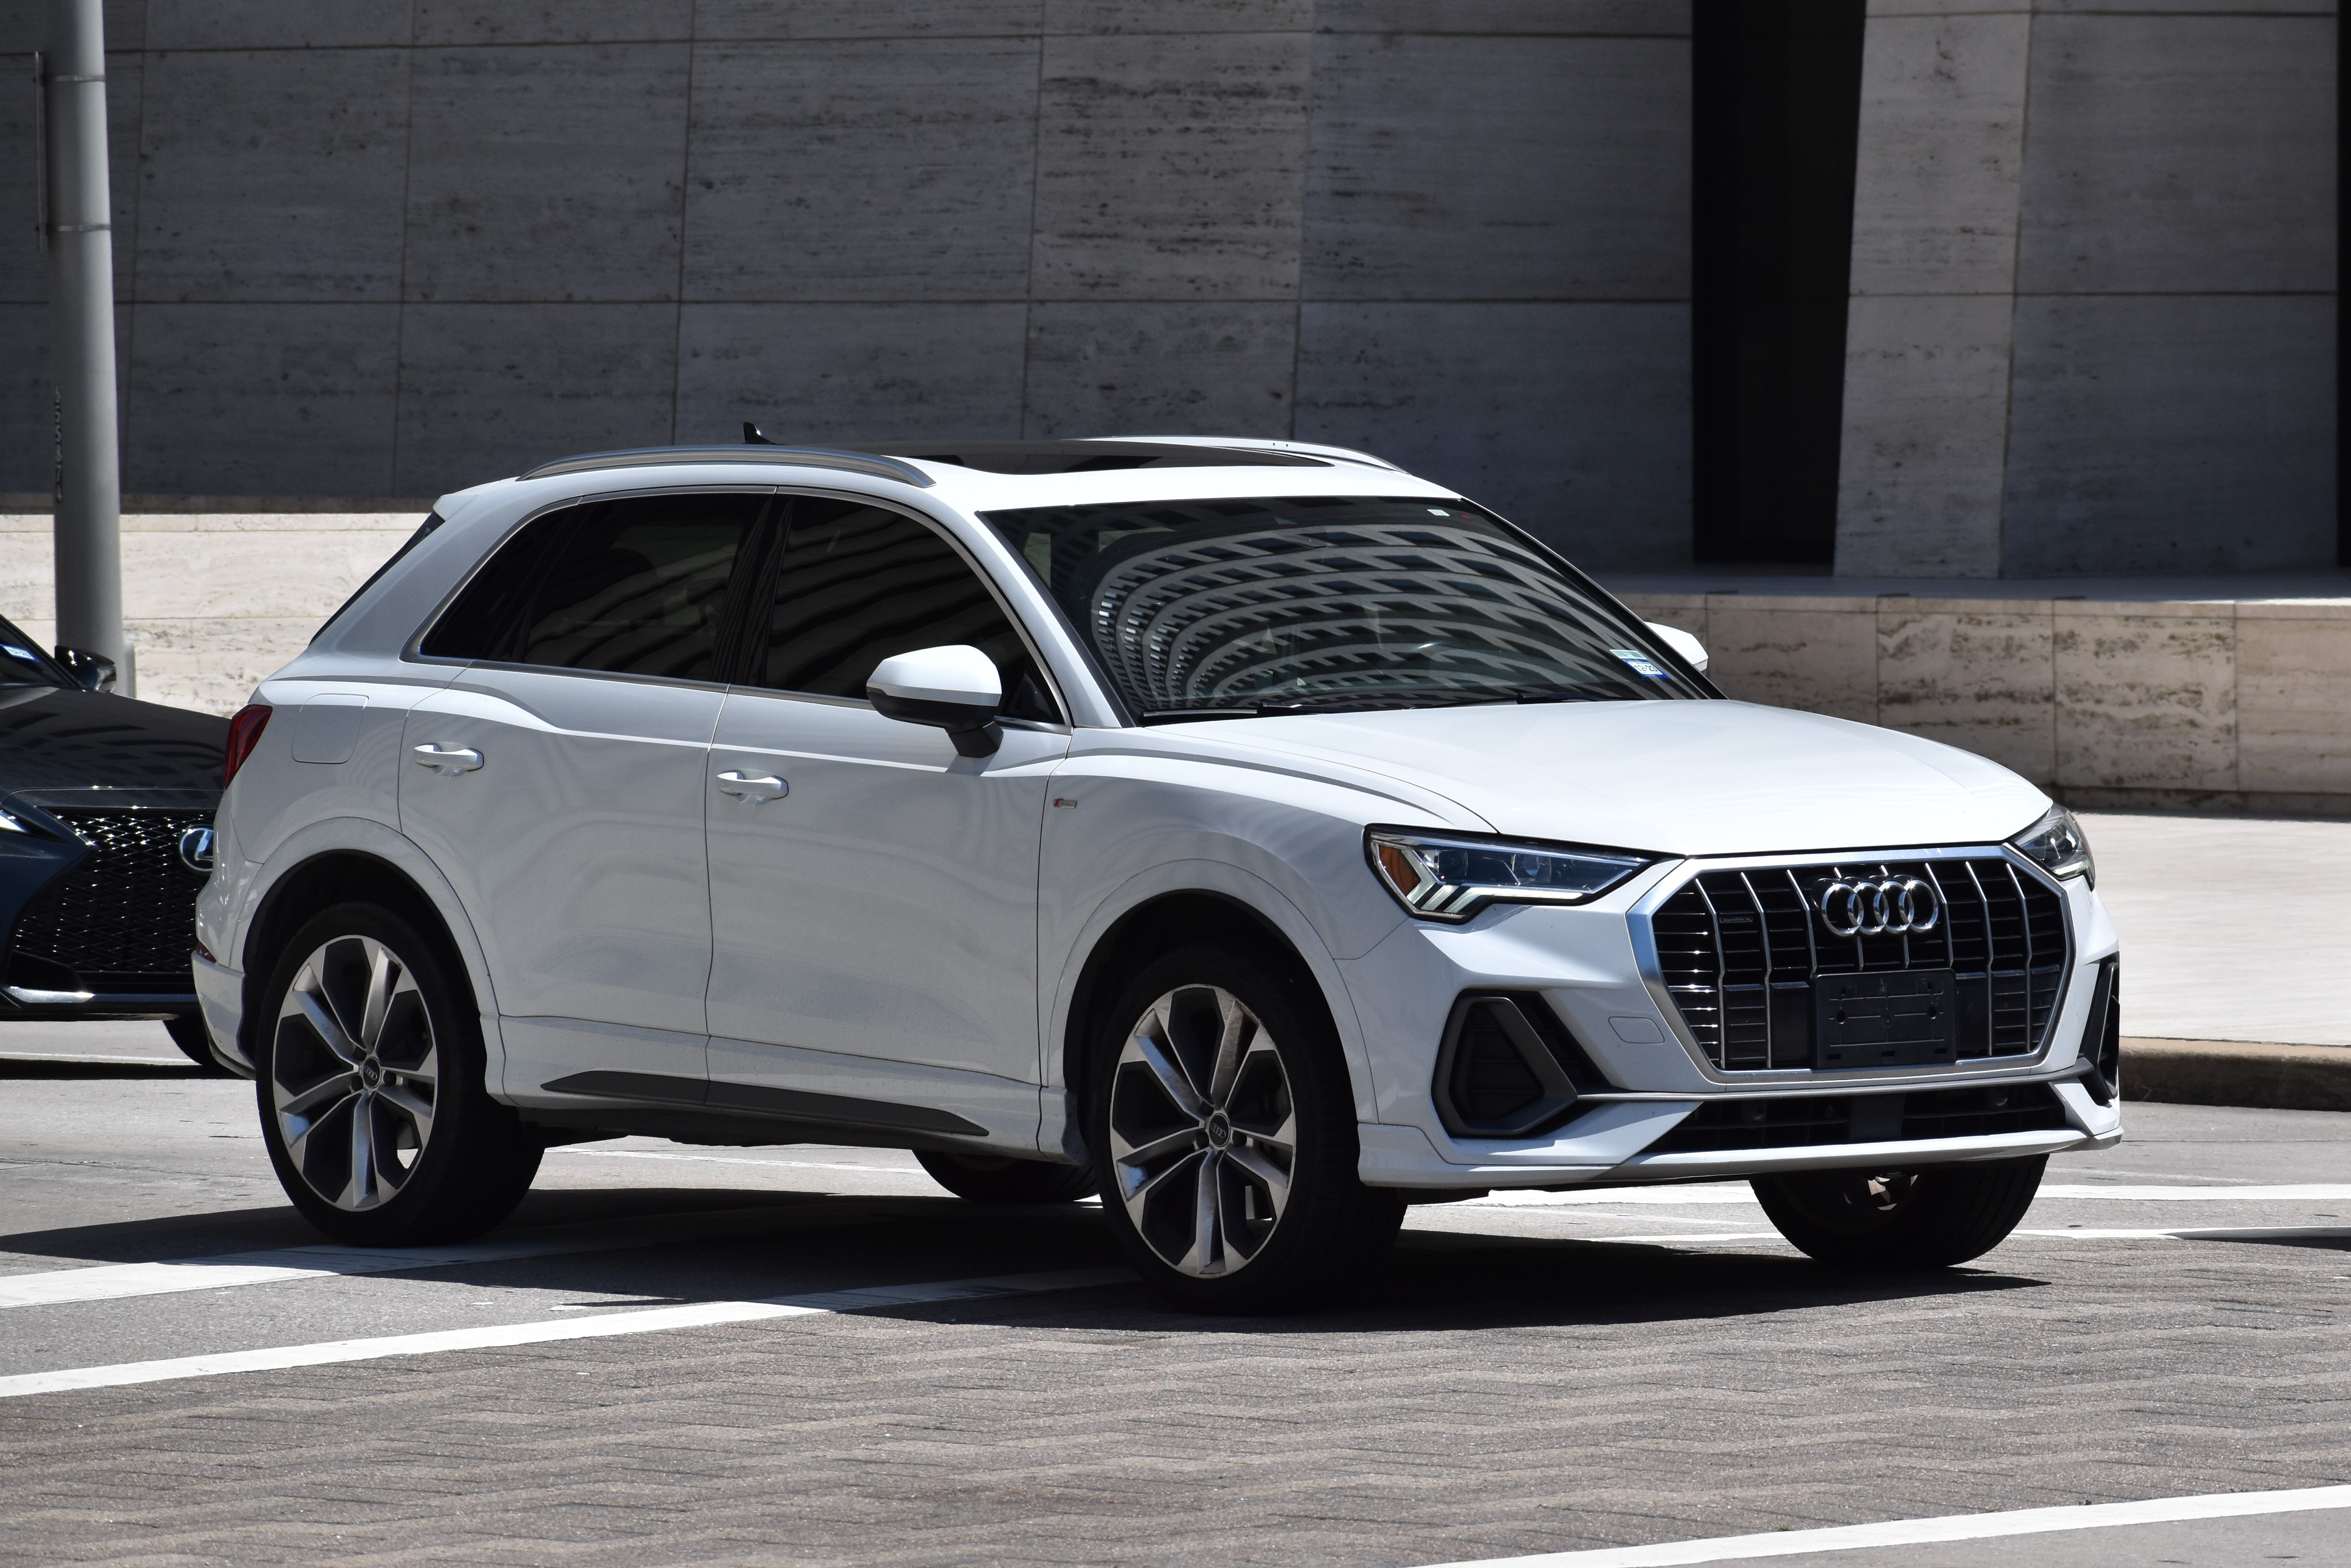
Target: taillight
column 243, row 735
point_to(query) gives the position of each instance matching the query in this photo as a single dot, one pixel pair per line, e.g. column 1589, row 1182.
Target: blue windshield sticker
column 13, row 652
column 1642, row 664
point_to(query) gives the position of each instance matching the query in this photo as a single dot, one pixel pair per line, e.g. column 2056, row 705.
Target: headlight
column 1445, row 876
column 2057, row 845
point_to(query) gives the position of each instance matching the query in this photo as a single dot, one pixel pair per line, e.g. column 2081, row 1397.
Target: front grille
column 123, row 918
column 1807, row 1121
column 1742, row 951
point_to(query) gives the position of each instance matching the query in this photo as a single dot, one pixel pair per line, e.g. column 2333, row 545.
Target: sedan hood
column 1677, row 778
column 57, row 739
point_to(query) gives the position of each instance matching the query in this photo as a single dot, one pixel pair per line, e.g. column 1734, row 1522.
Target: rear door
column 559, row 782
column 874, row 895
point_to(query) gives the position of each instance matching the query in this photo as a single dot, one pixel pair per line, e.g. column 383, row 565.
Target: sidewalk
column 2236, row 937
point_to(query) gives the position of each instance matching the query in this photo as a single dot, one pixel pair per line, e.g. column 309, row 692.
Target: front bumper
column 1586, row 966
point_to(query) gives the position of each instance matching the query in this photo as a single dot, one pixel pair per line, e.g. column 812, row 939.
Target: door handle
column 448, row 760
column 753, row 785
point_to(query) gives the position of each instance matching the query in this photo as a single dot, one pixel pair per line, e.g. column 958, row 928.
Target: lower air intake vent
column 121, row 918
column 1508, row 1068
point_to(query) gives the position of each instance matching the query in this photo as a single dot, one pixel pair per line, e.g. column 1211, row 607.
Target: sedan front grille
column 122, row 919
column 1756, row 965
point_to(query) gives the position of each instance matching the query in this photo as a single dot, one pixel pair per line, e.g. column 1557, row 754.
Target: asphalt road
column 1544, row 1374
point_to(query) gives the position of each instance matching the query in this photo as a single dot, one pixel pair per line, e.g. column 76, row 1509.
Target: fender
column 362, row 835
column 1059, row 1128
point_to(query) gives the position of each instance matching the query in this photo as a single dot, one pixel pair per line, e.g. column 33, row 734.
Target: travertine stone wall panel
column 256, row 398
column 1971, row 673
column 1097, row 369
column 212, row 602
column 547, row 173
column 1925, row 432
column 2145, row 697
column 1817, row 655
column 1499, row 168
column 856, row 169
column 1178, row 16
column 2175, row 155
column 851, row 372
column 489, row 390
column 2170, row 434
column 276, row 24
column 274, row 175
column 2294, row 698
column 553, row 21
column 1573, row 419
column 1937, row 179
column 719, row 19
column 1601, row 18
column 1171, row 167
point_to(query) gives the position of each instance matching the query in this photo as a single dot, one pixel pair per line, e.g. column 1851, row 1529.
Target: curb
column 2236, row 1072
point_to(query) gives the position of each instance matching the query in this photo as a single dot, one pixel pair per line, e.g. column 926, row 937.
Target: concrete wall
column 2178, row 694
column 391, row 247
column 2093, row 323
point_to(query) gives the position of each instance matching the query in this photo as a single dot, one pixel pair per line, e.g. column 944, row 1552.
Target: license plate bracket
column 1904, row 1017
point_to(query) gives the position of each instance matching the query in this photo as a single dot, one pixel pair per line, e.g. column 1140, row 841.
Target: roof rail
column 867, row 463
column 1258, row 443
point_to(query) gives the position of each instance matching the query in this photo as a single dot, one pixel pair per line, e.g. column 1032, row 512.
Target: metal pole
column 80, row 243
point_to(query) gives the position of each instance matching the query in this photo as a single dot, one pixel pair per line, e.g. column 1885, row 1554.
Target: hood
column 1678, row 777
column 55, row 738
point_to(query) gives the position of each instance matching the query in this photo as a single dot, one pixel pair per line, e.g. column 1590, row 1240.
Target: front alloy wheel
column 355, row 1072
column 1203, row 1132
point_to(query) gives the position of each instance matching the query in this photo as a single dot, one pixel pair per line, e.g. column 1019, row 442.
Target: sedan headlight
column 1448, row 876
column 2057, row 845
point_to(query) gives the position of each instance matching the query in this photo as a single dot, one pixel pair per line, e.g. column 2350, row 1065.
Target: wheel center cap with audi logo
column 1878, row 907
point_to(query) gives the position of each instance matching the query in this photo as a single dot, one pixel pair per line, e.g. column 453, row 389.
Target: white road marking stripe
column 2212, row 1232
column 651, row 1320
column 2296, row 1192
column 115, row 1281
column 1923, row 1532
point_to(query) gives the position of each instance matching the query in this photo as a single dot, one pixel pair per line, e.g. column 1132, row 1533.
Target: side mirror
column 90, row 671
column 955, row 688
column 1682, row 643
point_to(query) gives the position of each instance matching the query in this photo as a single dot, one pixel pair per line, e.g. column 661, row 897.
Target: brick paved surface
column 1508, row 1386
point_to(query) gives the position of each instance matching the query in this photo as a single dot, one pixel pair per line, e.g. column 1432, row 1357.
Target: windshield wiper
column 1368, row 702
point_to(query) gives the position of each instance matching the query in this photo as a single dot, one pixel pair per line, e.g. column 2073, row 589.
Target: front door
column 872, row 895
column 558, row 782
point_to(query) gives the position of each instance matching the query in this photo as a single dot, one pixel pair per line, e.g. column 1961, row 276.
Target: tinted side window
column 858, row 584
column 634, row 587
column 639, row 586
column 483, row 623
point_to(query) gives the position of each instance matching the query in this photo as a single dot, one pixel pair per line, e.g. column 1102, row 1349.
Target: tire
column 1218, row 1093
column 366, row 1024
column 994, row 1178
column 195, row 1042
column 1932, row 1217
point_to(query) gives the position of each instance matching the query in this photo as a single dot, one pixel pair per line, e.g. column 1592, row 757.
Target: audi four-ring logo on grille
column 1887, row 906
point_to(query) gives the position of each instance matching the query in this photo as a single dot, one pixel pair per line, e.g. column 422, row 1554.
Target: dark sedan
column 106, row 812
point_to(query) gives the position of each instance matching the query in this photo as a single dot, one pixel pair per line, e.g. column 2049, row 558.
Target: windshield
column 1232, row 608
column 22, row 663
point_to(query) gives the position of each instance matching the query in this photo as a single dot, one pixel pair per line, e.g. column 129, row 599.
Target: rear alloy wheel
column 1932, row 1217
column 997, row 1179
column 1225, row 1111
column 373, row 1103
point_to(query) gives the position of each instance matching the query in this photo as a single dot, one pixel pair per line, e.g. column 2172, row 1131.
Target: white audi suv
column 1247, row 831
